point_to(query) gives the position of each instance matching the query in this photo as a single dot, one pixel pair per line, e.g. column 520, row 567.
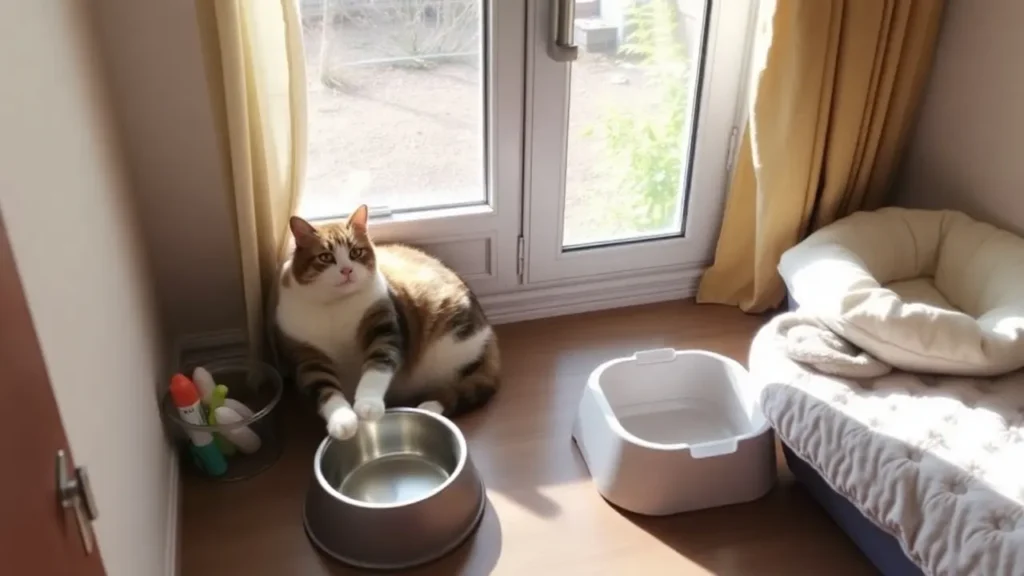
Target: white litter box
column 668, row 431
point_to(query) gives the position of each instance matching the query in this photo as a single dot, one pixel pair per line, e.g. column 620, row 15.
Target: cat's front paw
column 432, row 406
column 342, row 424
column 369, row 408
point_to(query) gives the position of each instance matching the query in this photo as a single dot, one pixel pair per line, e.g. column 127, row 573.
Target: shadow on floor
column 753, row 532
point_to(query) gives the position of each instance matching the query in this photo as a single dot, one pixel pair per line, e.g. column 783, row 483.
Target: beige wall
column 968, row 149
column 151, row 50
column 78, row 251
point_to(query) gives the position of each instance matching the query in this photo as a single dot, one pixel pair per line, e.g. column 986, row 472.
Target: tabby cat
column 384, row 325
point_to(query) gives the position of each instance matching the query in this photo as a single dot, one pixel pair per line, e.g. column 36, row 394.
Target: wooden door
column 37, row 535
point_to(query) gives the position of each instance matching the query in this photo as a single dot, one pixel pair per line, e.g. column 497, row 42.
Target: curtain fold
column 835, row 87
column 262, row 87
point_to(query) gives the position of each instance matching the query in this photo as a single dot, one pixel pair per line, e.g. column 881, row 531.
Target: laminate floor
column 544, row 516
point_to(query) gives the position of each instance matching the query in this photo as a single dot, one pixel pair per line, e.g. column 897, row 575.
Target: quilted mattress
column 937, row 462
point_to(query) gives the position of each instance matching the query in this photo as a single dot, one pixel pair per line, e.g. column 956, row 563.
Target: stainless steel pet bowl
column 400, row 493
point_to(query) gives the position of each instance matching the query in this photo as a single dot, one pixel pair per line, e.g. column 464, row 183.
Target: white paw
column 432, row 406
column 342, row 423
column 369, row 408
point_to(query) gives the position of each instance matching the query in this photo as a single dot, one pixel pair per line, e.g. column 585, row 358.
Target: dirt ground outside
column 404, row 132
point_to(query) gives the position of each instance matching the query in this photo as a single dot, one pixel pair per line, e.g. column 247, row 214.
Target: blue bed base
column 881, row 548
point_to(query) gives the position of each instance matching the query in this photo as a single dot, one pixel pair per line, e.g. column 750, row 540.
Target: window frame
column 729, row 30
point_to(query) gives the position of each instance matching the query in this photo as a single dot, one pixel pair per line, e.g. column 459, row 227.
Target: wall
column 178, row 168
column 967, row 151
column 77, row 248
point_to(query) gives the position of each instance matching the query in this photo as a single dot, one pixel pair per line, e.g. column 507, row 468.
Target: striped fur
column 402, row 330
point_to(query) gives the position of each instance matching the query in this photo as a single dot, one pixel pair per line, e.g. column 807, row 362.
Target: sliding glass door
column 632, row 116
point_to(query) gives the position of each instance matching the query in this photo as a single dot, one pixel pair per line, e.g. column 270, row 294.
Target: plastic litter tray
column 667, row 431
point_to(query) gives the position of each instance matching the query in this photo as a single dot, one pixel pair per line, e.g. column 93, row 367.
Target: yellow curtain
column 260, row 103
column 834, row 90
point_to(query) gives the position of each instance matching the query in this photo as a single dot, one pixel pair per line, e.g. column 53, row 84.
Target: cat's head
column 335, row 259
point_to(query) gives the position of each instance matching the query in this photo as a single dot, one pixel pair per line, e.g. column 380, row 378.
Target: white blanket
column 807, row 340
column 938, row 462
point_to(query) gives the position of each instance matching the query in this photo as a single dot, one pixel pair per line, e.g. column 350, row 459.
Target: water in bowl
column 393, row 479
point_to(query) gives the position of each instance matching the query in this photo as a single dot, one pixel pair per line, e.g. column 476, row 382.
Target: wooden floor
column 544, row 518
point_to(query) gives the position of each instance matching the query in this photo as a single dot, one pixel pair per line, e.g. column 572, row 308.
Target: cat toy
column 224, row 411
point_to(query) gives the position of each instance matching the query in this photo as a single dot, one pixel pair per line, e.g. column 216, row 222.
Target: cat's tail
column 476, row 384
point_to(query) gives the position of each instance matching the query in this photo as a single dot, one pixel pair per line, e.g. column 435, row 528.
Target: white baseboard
column 590, row 295
column 529, row 303
column 172, row 546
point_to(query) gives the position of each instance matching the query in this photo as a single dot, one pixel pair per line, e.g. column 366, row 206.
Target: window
column 631, row 115
column 473, row 128
column 630, row 173
column 395, row 103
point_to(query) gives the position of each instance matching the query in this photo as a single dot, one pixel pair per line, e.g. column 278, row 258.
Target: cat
column 384, row 325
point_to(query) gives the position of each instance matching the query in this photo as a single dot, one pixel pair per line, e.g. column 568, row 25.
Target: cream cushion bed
column 935, row 461
column 925, row 291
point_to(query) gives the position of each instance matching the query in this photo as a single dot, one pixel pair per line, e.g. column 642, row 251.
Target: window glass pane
column 630, row 118
column 395, row 104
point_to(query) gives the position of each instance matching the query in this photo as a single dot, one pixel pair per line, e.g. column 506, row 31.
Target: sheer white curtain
column 258, row 48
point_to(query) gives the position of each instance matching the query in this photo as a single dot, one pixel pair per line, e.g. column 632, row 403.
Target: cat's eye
column 356, row 253
column 326, row 258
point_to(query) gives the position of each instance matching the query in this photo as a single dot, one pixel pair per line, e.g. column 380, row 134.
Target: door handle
column 563, row 23
column 74, row 492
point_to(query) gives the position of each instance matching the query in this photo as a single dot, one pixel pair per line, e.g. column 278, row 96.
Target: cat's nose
column 346, row 271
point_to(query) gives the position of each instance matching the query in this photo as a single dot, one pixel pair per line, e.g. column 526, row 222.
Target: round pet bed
column 925, row 291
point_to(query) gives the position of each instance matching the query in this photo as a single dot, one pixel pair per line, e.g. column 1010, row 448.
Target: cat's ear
column 304, row 232
column 358, row 218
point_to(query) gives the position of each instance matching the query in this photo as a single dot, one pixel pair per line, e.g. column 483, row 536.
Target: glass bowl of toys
column 224, row 418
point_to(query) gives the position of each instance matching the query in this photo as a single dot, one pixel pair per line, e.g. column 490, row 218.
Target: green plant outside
column 645, row 146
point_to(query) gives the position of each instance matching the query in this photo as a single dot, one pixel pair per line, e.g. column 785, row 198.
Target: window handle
column 562, row 48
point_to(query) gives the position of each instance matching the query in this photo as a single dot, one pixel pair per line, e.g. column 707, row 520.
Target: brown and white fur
column 384, row 325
